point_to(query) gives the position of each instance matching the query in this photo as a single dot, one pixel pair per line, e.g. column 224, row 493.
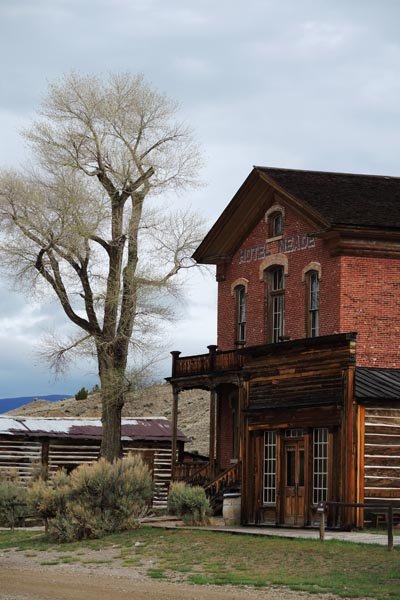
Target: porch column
column 175, row 397
column 213, row 403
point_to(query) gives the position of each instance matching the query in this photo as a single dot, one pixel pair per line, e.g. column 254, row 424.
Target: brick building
column 305, row 376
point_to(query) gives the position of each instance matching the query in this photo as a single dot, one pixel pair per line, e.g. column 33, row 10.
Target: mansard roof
column 327, row 200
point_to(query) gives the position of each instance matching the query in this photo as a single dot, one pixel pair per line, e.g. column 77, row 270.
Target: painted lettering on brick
column 286, row 245
column 254, row 253
column 296, row 242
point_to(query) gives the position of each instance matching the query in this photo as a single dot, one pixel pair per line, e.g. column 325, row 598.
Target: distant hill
column 7, row 404
column 152, row 401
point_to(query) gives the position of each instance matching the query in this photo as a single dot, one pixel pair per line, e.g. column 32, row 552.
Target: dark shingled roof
column 344, row 198
column 377, row 384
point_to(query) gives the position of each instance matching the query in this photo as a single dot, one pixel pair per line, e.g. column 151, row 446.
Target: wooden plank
column 383, row 429
column 383, row 471
column 381, row 450
column 382, row 461
column 382, row 482
column 382, row 439
column 382, row 493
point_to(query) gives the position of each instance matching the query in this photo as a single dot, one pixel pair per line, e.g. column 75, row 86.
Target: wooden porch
column 295, row 386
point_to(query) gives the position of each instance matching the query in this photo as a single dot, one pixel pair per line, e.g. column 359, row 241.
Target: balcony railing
column 202, row 364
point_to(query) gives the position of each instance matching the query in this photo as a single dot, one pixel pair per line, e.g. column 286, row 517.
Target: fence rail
column 390, row 509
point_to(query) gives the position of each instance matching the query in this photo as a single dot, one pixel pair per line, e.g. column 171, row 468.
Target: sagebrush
column 190, row 503
column 14, row 501
column 95, row 499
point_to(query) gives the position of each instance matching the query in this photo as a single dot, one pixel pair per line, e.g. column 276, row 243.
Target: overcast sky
column 297, row 84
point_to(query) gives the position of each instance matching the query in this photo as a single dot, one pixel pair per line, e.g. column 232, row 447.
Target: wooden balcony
column 215, row 361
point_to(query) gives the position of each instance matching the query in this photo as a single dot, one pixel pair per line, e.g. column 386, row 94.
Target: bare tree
column 85, row 222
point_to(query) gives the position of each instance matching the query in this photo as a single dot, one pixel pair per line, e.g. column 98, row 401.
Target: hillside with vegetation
column 152, row 401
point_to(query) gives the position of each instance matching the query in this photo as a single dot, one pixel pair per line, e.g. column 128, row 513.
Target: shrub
column 50, row 498
column 188, row 502
column 95, row 499
column 82, row 394
column 14, row 505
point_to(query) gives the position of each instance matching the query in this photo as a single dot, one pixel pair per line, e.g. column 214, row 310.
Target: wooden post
column 45, row 459
column 174, row 430
column 175, row 356
column 322, row 526
column 212, row 431
column 212, row 349
column 390, row 527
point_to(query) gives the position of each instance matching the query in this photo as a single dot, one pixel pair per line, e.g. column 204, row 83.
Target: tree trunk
column 113, row 388
column 111, row 447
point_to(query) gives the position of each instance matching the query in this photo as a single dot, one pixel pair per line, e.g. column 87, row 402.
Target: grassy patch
column 204, row 557
column 156, row 573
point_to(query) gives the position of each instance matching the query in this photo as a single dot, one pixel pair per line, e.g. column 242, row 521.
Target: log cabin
column 32, row 444
column 304, row 379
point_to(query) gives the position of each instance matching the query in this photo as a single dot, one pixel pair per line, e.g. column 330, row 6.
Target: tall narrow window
column 241, row 313
column 320, row 465
column 269, row 492
column 275, row 304
column 313, row 304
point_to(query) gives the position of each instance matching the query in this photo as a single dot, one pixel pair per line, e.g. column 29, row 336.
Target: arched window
column 274, row 218
column 276, row 224
column 241, row 301
column 275, row 303
column 312, row 303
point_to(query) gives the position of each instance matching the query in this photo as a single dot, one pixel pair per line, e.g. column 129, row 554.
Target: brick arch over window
column 275, row 260
column 273, row 210
column 241, row 281
column 312, row 266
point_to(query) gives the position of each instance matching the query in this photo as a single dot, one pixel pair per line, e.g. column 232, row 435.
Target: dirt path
column 24, row 577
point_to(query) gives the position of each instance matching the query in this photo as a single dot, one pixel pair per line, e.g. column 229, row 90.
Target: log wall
column 382, row 455
column 26, row 458
column 20, row 456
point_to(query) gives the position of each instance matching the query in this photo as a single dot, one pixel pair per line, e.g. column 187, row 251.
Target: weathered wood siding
column 20, row 456
column 26, row 457
column 68, row 456
column 382, row 455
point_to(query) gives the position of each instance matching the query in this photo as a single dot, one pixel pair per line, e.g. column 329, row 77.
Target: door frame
column 299, row 486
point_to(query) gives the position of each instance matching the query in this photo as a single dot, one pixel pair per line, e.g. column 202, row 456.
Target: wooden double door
column 293, row 482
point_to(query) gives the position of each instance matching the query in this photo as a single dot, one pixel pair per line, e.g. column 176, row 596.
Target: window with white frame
column 320, row 465
column 275, row 303
column 313, row 303
column 240, row 293
column 269, row 491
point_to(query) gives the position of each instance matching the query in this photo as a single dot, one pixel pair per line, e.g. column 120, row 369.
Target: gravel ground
column 23, row 576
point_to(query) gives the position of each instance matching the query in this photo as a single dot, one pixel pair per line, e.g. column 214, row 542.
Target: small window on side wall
column 313, row 304
column 241, row 302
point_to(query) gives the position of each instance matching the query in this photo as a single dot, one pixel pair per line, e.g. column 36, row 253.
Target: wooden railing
column 202, row 364
column 229, row 478
column 188, row 471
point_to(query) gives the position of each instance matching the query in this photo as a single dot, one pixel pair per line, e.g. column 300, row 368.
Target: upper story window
column 276, row 224
column 275, row 305
column 274, row 218
column 241, row 301
column 313, row 303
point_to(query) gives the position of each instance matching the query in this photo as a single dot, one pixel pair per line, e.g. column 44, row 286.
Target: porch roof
column 377, row 384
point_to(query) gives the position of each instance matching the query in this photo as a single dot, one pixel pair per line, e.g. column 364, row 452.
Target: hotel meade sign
column 286, row 245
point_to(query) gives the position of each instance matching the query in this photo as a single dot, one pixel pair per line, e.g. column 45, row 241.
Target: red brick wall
column 295, row 293
column 370, row 305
